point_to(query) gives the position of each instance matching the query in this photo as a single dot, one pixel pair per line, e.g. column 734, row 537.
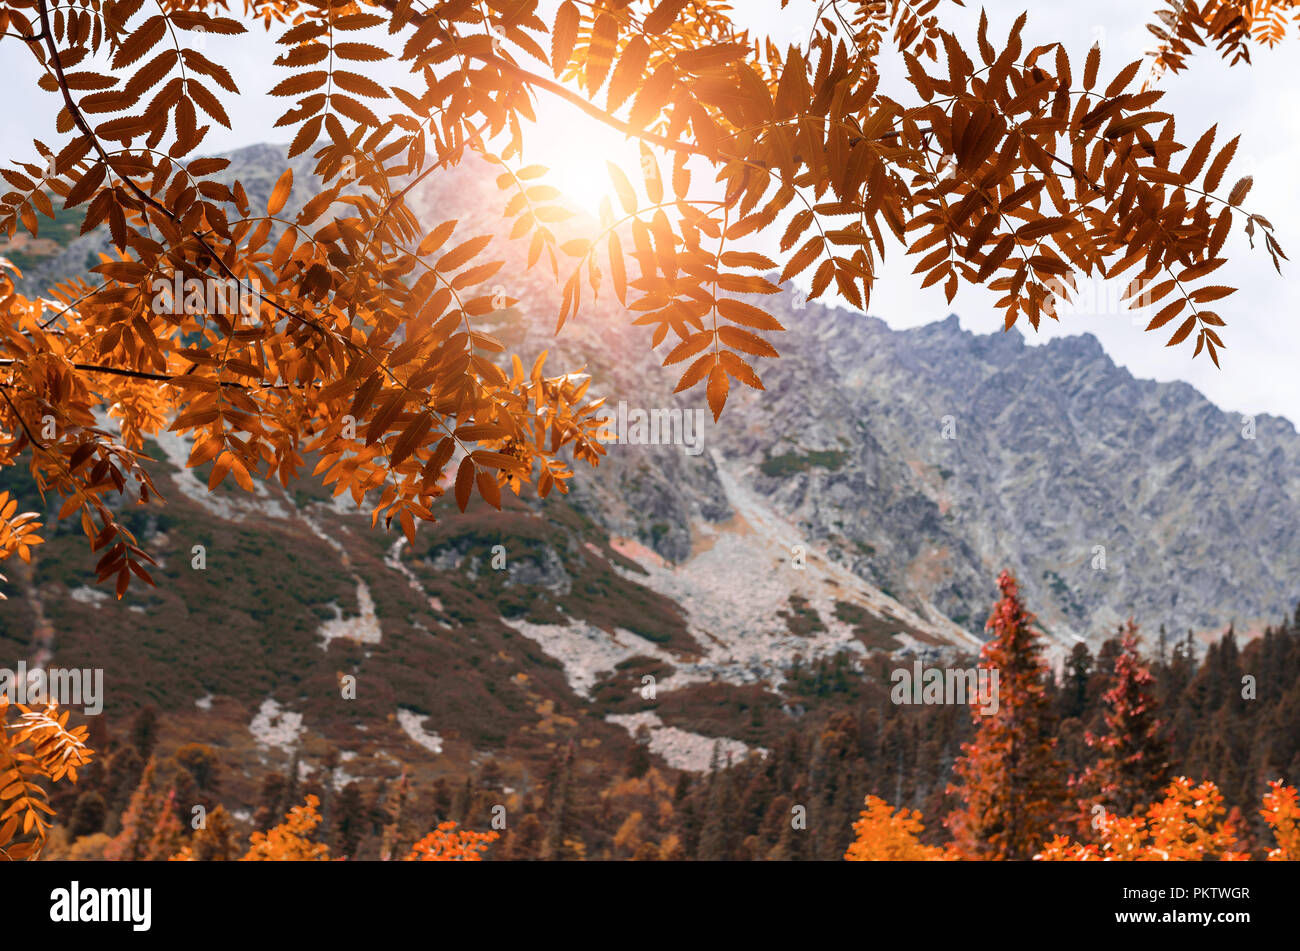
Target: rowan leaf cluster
column 1230, row 26
column 37, row 747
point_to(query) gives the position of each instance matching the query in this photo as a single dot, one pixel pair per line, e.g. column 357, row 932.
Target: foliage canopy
column 348, row 332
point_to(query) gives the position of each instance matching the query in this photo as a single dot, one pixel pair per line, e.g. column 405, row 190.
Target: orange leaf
column 280, row 194
column 717, row 390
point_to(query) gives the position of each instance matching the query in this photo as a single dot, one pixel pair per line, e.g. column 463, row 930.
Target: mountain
column 924, row 461
column 1107, row 495
column 862, row 504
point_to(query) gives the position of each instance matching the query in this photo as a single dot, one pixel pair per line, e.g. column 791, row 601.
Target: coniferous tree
column 718, row 835
column 555, row 845
column 132, row 841
column 144, row 731
column 792, row 845
column 525, row 841
column 216, row 840
column 291, row 793
column 270, row 800
column 1132, row 764
column 638, row 753
column 395, row 804
column 185, row 794
column 88, row 814
column 1011, row 782
column 462, row 803
column 168, row 835
column 124, row 770
column 202, row 764
column 1072, row 700
column 349, row 821
column 688, row 824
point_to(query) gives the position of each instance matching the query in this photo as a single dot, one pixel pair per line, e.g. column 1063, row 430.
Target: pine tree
column 525, row 840
column 395, row 804
column 787, row 842
column 718, row 839
column 349, row 821
column 1073, row 697
column 329, row 767
column 269, row 811
column 124, row 770
column 688, row 822
column 132, row 842
column 88, row 814
column 795, row 842
column 185, row 794
column 1177, row 674
column 638, row 753
column 1132, row 764
column 144, row 731
column 215, row 842
column 168, row 834
column 203, row 766
column 555, row 845
column 462, row 803
column 1011, row 781
column 441, row 799
column 291, row 793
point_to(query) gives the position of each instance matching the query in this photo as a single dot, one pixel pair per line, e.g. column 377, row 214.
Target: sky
column 1259, row 365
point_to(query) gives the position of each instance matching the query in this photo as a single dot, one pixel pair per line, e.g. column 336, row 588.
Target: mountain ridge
column 1077, row 418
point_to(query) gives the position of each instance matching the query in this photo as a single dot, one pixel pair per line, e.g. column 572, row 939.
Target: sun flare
column 575, row 150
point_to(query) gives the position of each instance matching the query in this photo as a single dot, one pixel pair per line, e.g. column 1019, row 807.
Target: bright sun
column 575, row 149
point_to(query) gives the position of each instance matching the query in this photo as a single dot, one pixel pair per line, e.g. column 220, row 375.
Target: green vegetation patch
column 790, row 463
column 801, row 619
column 875, row 633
